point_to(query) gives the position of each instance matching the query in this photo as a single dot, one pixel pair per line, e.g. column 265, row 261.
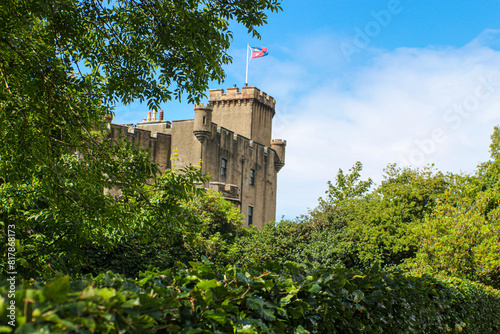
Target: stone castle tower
column 232, row 137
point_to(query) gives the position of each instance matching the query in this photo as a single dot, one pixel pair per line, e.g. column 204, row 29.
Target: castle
column 231, row 135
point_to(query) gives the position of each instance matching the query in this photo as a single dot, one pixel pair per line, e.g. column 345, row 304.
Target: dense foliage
column 461, row 237
column 208, row 226
column 417, row 219
column 64, row 64
column 260, row 299
column 353, row 226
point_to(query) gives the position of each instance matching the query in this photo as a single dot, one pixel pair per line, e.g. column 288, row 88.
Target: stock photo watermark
column 281, row 120
column 380, row 19
column 453, row 118
column 11, row 275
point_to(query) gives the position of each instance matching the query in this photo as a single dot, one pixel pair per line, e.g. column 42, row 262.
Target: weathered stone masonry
column 232, row 137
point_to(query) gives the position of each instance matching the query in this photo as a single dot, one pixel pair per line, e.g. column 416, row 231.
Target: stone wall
column 242, row 139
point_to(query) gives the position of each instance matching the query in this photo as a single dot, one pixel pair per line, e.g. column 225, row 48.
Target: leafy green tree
column 207, row 226
column 375, row 226
column 211, row 225
column 458, row 241
column 341, row 197
column 462, row 235
column 64, row 64
column 353, row 226
column 403, row 199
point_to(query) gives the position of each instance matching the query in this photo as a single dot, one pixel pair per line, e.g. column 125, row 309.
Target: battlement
column 222, row 131
column 248, row 112
column 203, row 106
column 247, row 93
column 229, row 138
column 278, row 142
column 157, row 142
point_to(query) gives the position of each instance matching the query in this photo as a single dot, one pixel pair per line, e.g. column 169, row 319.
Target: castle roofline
column 246, row 93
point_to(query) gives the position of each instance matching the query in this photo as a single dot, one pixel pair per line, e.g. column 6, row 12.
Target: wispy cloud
column 411, row 106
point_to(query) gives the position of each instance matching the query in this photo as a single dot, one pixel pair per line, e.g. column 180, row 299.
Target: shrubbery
column 56, row 165
column 417, row 219
column 273, row 298
column 206, row 226
column 352, row 226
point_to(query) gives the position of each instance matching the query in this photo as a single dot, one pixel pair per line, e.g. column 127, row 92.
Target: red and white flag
column 258, row 52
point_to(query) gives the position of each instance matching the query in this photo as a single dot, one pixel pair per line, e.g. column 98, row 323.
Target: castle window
column 250, row 215
column 223, row 167
column 252, row 177
column 204, row 120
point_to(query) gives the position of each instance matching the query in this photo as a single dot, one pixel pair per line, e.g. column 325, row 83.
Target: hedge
column 200, row 298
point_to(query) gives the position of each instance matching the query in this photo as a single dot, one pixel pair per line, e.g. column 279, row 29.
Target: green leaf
column 57, row 289
column 255, row 302
column 207, row 284
column 287, row 299
column 219, row 316
column 314, row 288
column 105, row 293
column 301, row 330
column 131, row 303
column 266, row 313
column 358, row 296
column 296, row 312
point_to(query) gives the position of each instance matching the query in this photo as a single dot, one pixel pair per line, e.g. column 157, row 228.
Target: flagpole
column 246, row 76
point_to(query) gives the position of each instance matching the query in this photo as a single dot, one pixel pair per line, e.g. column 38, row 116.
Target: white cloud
column 407, row 106
column 410, row 106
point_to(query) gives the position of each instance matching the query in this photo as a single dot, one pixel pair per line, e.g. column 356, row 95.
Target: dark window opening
column 250, row 215
column 252, row 177
column 204, row 120
column 223, row 167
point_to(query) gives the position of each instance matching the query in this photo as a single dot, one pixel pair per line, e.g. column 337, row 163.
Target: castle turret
column 202, row 122
column 238, row 154
column 248, row 113
column 279, row 146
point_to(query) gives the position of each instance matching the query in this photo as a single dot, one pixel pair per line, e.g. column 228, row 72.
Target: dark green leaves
column 64, row 64
column 202, row 299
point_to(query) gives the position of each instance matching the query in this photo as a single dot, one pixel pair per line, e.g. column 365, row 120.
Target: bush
column 207, row 224
column 259, row 299
column 376, row 226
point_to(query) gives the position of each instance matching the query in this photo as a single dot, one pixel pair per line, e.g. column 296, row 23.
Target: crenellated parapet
column 248, row 94
column 157, row 142
column 248, row 112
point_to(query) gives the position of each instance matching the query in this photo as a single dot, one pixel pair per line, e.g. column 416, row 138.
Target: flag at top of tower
column 258, row 52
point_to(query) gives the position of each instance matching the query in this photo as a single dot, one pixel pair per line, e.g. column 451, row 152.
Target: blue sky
column 406, row 82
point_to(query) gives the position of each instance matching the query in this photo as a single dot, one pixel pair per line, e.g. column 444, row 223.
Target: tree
column 365, row 227
column 461, row 237
column 341, row 197
column 64, row 64
column 207, row 225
